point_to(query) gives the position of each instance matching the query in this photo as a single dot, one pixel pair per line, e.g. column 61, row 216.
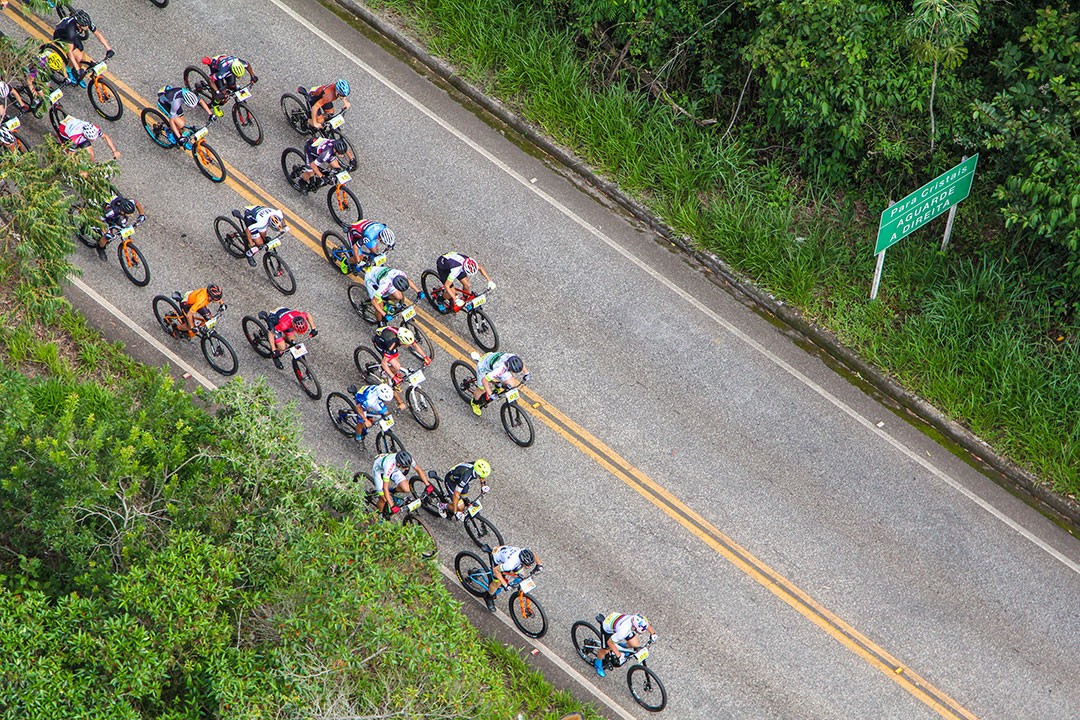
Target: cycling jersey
column 257, row 218
column 68, row 31
column 221, row 70
column 112, row 216
column 380, row 281
column 367, row 398
column 327, row 93
column 384, row 471
column 507, row 558
column 197, row 301
column 72, row 129
column 366, row 234
column 450, row 266
column 319, row 149
column 390, row 347
column 619, row 627
column 493, row 367
column 171, row 100
column 281, row 320
column 460, row 477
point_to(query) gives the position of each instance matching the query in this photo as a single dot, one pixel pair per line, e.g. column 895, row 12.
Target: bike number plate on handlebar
column 343, row 177
column 335, row 122
column 416, row 378
column 408, row 313
column 276, row 242
column 527, row 584
column 127, row 232
column 413, row 505
column 55, row 95
column 299, row 350
column 13, row 124
column 642, row 653
column 210, row 322
column 512, row 395
column 479, row 300
column 386, row 423
column 200, row 133
column 377, row 261
column 99, row 68
column 475, row 508
column 243, row 94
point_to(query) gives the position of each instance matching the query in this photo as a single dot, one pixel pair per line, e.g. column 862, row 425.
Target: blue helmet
column 342, row 87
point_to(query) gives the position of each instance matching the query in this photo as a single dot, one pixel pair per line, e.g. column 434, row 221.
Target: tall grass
column 964, row 331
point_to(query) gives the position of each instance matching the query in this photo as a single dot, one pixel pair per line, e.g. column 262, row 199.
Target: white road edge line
column 779, row 362
column 119, row 315
column 550, row 655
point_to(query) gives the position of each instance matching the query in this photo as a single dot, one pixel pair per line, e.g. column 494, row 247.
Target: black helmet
column 387, row 335
column 213, row 292
column 526, row 557
column 514, row 364
column 340, row 146
column 127, row 206
column 403, row 459
column 82, row 18
column 401, row 283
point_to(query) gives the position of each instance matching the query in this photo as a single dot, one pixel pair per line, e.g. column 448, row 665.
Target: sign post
column 902, row 218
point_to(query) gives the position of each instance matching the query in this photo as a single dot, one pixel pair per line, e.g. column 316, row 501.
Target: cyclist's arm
column 101, row 37
column 386, row 491
column 385, row 365
column 139, row 208
column 483, row 272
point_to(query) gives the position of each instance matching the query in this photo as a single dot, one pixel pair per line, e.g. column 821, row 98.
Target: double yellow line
column 612, row 462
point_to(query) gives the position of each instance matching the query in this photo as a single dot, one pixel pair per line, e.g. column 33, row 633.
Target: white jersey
column 493, row 367
column 384, row 471
column 507, row 558
column 380, row 281
column 620, row 627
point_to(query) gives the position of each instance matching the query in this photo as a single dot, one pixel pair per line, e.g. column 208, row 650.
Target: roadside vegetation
column 774, row 133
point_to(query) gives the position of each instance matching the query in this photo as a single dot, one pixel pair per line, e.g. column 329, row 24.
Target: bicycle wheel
column 296, row 113
column 483, row 331
column 336, row 251
column 105, row 98
column 219, row 353
column 463, row 376
column 368, row 364
column 528, row 614
column 58, row 77
column 586, row 639
column 472, row 572
column 279, row 272
column 344, row 206
column 56, row 116
column 646, row 688
column 388, row 442
column 167, row 313
column 160, row 3
column 88, row 234
column 247, row 124
column 517, row 424
column 198, row 82
column 293, row 165
column 427, row 546
column 422, row 342
column 347, row 159
column 208, row 161
column 133, row 263
column 429, row 280
column 230, row 236
column 342, row 412
column 305, row 375
column 361, row 303
column 257, row 335
column 422, row 408
column 155, row 125
column 482, row 532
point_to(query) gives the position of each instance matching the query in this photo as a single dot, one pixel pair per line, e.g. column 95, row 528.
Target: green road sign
column 920, row 207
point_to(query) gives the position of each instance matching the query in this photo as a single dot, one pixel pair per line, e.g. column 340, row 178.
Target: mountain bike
column 407, row 505
column 216, row 349
column 338, row 252
column 342, row 202
column 342, row 411
column 103, row 94
column 404, row 311
column 206, row 157
column 132, row 260
column 258, row 336
column 475, row 576
column 479, row 529
column 297, row 111
column 247, row 125
column 644, row 684
column 515, row 421
column 481, row 327
column 235, row 242
column 421, row 406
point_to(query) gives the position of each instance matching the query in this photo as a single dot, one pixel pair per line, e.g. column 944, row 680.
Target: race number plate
column 200, row 133
column 387, row 423
column 211, row 322
column 642, row 653
column 377, row 261
column 127, row 232
column 512, row 395
column 528, row 584
column 55, row 95
column 276, row 242
column 343, row 177
column 243, row 94
column 408, row 313
column 13, row 124
column 475, row 508
column 479, row 300
column 413, row 505
column 100, row 68
column 335, row 122
column 416, row 378
column 298, row 350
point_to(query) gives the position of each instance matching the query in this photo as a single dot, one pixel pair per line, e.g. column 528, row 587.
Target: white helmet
column 5, row 89
column 640, row 623
column 384, row 392
column 92, row 132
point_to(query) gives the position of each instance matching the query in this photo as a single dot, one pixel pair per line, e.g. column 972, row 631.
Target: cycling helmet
column 403, row 459
column 401, row 283
column 237, row 68
column 126, row 206
column 300, row 324
column 388, row 238
column 405, row 336
column 342, row 87
column 340, row 147
column 92, row 132
column 482, row 468
column 82, row 18
column 54, row 61
column 514, row 364
column 213, row 292
column 387, row 335
column 526, row 557
column 384, row 392
column 189, row 98
column 5, row 136
column 278, row 221
column 640, row 623
column 5, row 89
column 470, row 266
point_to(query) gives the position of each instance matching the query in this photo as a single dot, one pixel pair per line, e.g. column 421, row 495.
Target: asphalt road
column 803, row 551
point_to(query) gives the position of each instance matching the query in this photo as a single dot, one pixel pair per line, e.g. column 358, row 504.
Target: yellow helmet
column 237, row 68
column 54, row 61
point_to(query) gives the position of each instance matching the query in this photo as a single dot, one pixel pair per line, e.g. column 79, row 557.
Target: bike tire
column 247, row 125
column 56, row 116
column 429, row 281
column 347, row 159
column 517, row 424
column 422, row 408
column 336, row 250
column 387, row 442
column 337, row 402
column 430, row 501
column 361, row 303
column 57, row 77
column 279, row 272
column 167, row 313
column 133, row 263
column 368, row 364
column 422, row 340
column 219, row 353
column 85, row 235
column 257, row 335
column 470, row 569
column 230, row 236
column 586, row 640
column 160, row 3
column 296, row 113
column 482, row 531
column 105, row 98
column 483, row 330
column 208, row 161
column 156, row 126
column 528, row 614
column 293, row 164
column 198, row 82
column 463, row 377
column 644, row 686
column 428, row 546
column 305, row 375
column 344, row 206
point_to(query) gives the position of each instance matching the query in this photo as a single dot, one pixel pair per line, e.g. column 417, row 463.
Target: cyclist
column 258, row 220
column 115, row 218
column 321, row 100
column 507, row 560
column 370, row 402
column 389, row 471
column 7, row 140
column 173, row 100
column 623, row 635
column 285, row 325
column 225, row 70
column 496, row 367
column 388, row 284
column 370, row 239
column 82, row 134
column 68, row 30
column 198, row 301
column 453, row 267
column 320, row 152
column 458, row 481
column 389, row 341
column 6, row 92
